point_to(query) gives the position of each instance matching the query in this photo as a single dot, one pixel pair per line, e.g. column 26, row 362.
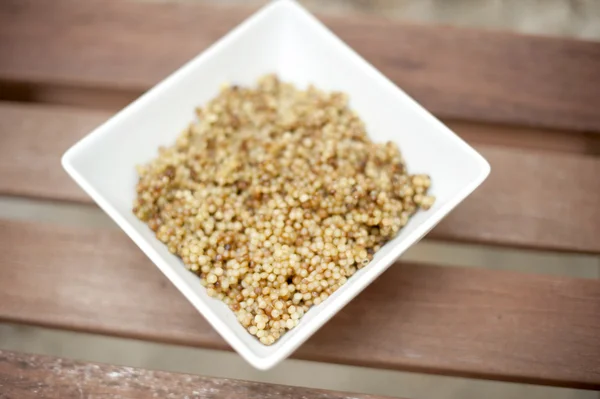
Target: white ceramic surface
column 281, row 38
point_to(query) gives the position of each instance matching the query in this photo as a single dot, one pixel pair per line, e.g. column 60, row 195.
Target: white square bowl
column 280, row 38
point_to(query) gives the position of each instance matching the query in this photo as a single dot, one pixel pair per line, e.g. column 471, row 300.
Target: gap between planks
column 222, row 364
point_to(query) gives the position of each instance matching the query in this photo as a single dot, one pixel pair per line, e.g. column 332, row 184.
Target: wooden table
column 530, row 105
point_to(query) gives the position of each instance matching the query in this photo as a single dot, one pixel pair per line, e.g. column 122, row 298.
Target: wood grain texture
column 456, row 73
column 32, row 141
column 454, row 321
column 532, row 199
column 26, row 376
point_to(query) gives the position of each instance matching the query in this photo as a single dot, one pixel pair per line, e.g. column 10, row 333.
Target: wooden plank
column 33, row 376
column 466, row 322
column 456, row 73
column 532, row 199
column 32, row 141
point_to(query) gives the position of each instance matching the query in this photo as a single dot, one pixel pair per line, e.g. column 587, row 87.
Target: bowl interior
column 281, row 38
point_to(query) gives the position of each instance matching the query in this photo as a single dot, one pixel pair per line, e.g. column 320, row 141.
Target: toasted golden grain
column 274, row 198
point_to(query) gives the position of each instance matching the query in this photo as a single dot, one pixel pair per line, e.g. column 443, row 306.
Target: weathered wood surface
column 455, row 321
column 528, row 104
column 532, row 199
column 457, row 73
column 26, row 376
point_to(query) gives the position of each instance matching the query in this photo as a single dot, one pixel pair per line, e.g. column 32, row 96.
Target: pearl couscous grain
column 274, row 198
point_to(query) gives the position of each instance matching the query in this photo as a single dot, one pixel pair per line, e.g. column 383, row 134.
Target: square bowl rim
column 268, row 361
